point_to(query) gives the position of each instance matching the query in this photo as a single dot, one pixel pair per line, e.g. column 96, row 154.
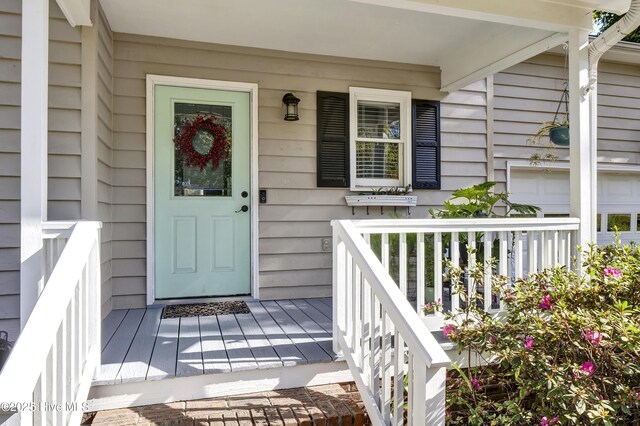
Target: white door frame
column 252, row 89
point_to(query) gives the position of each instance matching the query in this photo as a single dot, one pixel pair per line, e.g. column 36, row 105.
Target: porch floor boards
column 137, row 345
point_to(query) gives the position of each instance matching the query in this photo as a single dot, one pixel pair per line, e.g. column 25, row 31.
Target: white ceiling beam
column 451, row 80
column 77, row 12
column 616, row 6
column 539, row 14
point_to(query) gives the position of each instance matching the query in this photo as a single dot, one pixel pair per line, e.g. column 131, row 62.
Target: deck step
column 335, row 404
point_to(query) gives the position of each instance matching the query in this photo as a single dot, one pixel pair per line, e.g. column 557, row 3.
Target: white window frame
column 380, row 95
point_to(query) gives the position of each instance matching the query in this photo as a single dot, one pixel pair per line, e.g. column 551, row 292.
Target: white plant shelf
column 382, row 200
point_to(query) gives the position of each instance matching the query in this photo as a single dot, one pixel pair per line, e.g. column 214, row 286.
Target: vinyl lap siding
column 64, row 142
column 105, row 150
column 296, row 217
column 528, row 94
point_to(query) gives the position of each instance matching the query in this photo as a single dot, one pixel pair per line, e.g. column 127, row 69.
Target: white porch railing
column 48, row 374
column 373, row 323
column 386, row 338
column 519, row 246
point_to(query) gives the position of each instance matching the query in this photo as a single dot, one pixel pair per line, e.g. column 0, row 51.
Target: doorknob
column 243, row 209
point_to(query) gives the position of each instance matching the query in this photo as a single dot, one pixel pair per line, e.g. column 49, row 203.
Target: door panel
column 202, row 236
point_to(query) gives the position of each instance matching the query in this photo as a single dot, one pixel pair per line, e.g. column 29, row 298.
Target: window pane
column 378, row 120
column 556, row 215
column 377, row 160
column 599, row 223
column 620, row 222
column 190, row 181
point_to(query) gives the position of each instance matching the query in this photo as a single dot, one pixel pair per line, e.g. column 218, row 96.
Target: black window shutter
column 333, row 139
column 426, row 144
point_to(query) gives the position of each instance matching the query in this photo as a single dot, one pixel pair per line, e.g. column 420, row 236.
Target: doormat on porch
column 204, row 309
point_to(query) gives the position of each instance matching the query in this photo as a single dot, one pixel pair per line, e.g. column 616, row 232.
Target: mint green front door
column 201, row 225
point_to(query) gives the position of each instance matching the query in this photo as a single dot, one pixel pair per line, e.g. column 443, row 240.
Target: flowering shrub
column 566, row 351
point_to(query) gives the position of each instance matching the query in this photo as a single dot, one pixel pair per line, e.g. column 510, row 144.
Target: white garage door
column 618, row 199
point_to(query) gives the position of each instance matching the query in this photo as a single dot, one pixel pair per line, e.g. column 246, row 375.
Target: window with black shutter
column 366, row 152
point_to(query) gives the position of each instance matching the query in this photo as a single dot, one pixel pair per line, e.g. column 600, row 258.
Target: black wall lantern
column 291, row 104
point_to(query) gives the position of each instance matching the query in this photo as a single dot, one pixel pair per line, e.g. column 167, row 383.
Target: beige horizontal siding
column 528, row 94
column 296, row 218
column 104, row 151
column 64, row 142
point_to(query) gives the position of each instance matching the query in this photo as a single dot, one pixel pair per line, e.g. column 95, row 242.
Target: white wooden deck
column 138, row 346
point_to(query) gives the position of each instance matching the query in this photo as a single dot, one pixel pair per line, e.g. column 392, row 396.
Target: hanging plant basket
column 560, row 135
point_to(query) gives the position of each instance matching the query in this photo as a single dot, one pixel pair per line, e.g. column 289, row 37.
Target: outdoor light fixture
column 291, row 104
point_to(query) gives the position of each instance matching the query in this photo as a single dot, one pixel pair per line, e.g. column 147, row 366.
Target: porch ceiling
column 467, row 39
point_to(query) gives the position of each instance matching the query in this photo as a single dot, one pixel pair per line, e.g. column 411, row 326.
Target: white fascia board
column 539, row 14
column 77, row 12
column 452, row 79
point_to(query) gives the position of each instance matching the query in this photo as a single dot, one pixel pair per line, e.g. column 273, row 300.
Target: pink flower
column 638, row 395
column 528, row 342
column 546, row 302
column 546, row 422
column 592, row 336
column 492, row 339
column 449, row 331
column 612, row 272
column 475, row 384
column 588, row 367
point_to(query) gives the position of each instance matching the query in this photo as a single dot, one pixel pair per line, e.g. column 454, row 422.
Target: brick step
column 334, row 404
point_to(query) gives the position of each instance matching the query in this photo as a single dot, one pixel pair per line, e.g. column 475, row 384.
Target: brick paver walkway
column 327, row 405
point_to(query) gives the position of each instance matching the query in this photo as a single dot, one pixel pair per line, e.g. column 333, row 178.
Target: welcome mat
column 204, row 309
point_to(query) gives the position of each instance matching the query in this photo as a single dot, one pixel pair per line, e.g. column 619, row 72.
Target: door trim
column 252, row 89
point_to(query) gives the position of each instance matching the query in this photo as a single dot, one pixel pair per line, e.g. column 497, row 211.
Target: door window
column 207, row 181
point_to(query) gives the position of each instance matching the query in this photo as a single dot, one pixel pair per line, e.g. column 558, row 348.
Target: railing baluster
column 374, row 358
column 357, row 314
column 519, row 255
column 562, row 248
column 403, row 264
column 437, row 266
column 349, row 272
column 532, row 251
column 61, row 371
column 385, row 363
column 455, row 260
column 366, row 329
column 471, row 263
column 39, row 395
column 488, row 271
column 398, row 380
column 384, row 246
column 411, row 402
column 420, row 272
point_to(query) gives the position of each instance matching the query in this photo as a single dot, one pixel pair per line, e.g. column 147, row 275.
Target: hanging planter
column 557, row 130
column 560, row 135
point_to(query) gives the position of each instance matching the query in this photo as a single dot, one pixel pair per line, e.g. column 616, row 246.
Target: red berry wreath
column 184, row 141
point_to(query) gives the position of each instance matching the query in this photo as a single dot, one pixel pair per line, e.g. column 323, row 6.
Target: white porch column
column 583, row 167
column 33, row 148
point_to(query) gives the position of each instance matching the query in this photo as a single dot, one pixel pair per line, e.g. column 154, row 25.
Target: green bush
column 566, row 351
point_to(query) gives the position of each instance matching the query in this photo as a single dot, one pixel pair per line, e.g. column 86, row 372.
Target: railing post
column 435, row 401
column 339, row 275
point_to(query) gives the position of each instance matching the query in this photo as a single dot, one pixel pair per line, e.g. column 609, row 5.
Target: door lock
column 243, row 209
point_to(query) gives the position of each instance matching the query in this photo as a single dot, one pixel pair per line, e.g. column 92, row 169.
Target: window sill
column 381, row 200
